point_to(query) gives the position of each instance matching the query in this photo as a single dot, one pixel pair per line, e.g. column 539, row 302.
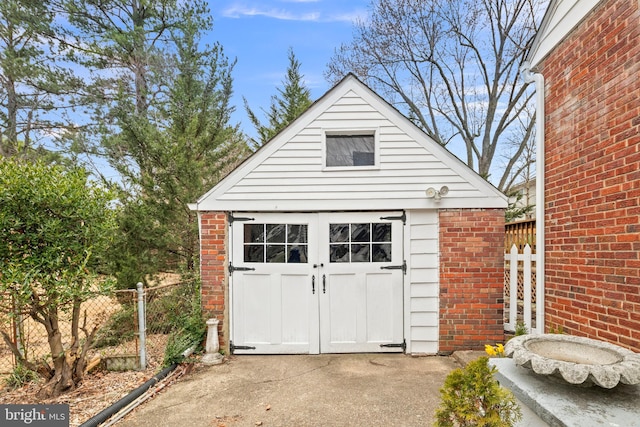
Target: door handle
column 313, row 284
column 324, row 283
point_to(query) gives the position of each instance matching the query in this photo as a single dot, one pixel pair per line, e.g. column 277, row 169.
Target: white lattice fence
column 523, row 301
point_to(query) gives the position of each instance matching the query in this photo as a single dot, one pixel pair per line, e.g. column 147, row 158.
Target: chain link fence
column 117, row 319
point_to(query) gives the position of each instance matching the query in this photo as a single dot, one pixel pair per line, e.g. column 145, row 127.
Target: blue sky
column 259, row 33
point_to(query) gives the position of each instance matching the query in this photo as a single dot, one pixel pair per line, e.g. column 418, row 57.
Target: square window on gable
column 345, row 150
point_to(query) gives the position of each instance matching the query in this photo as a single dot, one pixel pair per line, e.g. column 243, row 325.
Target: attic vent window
column 350, row 150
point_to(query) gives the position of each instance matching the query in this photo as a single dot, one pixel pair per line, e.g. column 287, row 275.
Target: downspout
column 538, row 79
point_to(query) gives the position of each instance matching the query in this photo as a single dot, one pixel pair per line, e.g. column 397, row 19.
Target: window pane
column 338, row 233
column 253, row 253
column 275, row 243
column 350, row 150
column 275, row 253
column 381, row 232
column 339, row 253
column 253, row 233
column 297, row 253
column 297, row 234
column 359, row 253
column 381, row 252
column 275, row 233
column 360, row 233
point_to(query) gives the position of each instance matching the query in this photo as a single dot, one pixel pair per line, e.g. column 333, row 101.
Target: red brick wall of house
column 471, row 278
column 213, row 270
column 592, row 126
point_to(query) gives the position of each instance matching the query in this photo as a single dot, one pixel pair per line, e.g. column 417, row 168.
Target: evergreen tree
column 292, row 100
column 186, row 151
column 33, row 82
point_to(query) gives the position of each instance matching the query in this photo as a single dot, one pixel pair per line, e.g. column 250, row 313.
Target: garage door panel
column 271, row 313
column 250, row 294
column 341, row 314
column 295, row 306
column 383, row 308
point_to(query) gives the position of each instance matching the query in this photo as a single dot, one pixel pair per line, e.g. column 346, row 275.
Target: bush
column 20, row 376
column 184, row 319
column 121, row 327
column 521, row 328
column 472, row 397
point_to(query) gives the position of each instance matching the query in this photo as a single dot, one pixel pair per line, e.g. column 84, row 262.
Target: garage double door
column 317, row 283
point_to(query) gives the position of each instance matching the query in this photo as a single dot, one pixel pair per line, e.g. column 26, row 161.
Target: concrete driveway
column 303, row 390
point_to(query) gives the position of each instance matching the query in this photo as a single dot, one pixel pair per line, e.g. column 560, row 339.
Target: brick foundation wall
column 213, row 262
column 592, row 128
column 471, row 278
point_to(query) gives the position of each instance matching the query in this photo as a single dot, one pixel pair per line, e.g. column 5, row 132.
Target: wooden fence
column 520, row 233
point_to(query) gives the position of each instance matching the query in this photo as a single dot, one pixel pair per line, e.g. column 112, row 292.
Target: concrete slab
column 563, row 405
column 322, row 390
column 529, row 418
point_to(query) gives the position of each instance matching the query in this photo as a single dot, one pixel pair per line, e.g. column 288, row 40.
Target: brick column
column 471, row 278
column 213, row 271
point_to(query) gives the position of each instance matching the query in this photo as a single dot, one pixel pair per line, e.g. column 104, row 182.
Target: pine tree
column 33, row 82
column 292, row 100
column 178, row 153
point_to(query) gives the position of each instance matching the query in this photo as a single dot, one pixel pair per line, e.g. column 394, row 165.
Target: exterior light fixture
column 434, row 194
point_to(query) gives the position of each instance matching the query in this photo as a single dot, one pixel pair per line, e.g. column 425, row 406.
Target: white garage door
column 316, row 283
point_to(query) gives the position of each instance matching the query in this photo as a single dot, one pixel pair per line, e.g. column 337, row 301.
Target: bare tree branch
column 451, row 67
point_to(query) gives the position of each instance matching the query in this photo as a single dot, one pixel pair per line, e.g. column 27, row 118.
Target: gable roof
column 561, row 17
column 287, row 173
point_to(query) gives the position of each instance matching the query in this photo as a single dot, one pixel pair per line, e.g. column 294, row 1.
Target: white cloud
column 285, row 14
column 280, row 14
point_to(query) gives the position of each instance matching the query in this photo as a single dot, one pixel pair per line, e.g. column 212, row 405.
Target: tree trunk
column 62, row 379
column 65, row 361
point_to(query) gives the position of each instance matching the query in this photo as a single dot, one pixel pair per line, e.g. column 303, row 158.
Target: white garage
column 330, row 240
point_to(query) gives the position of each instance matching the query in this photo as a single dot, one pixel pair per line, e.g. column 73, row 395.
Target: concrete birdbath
column 577, row 360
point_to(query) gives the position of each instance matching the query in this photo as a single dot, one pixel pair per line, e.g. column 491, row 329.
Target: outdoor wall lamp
column 434, row 194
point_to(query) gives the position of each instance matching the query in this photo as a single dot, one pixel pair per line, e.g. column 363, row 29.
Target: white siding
column 423, row 287
column 293, row 176
column 561, row 18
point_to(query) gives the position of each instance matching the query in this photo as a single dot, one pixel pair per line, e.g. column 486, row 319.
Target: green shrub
column 186, row 324
column 121, row 327
column 20, row 376
column 166, row 312
column 557, row 330
column 472, row 397
column 521, row 328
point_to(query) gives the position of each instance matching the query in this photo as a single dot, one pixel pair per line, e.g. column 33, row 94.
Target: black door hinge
column 233, row 348
column 232, row 268
column 402, row 267
column 402, row 217
column 231, row 218
column 402, row 345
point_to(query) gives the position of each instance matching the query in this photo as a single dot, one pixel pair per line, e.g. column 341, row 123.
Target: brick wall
column 471, row 278
column 592, row 182
column 213, row 262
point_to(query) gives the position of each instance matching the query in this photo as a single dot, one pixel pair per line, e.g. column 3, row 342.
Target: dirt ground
column 99, row 390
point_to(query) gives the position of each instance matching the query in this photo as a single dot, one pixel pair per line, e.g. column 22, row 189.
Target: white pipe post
column 538, row 79
column 142, row 327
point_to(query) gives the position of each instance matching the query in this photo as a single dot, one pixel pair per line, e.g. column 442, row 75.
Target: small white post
column 212, row 356
column 142, row 327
